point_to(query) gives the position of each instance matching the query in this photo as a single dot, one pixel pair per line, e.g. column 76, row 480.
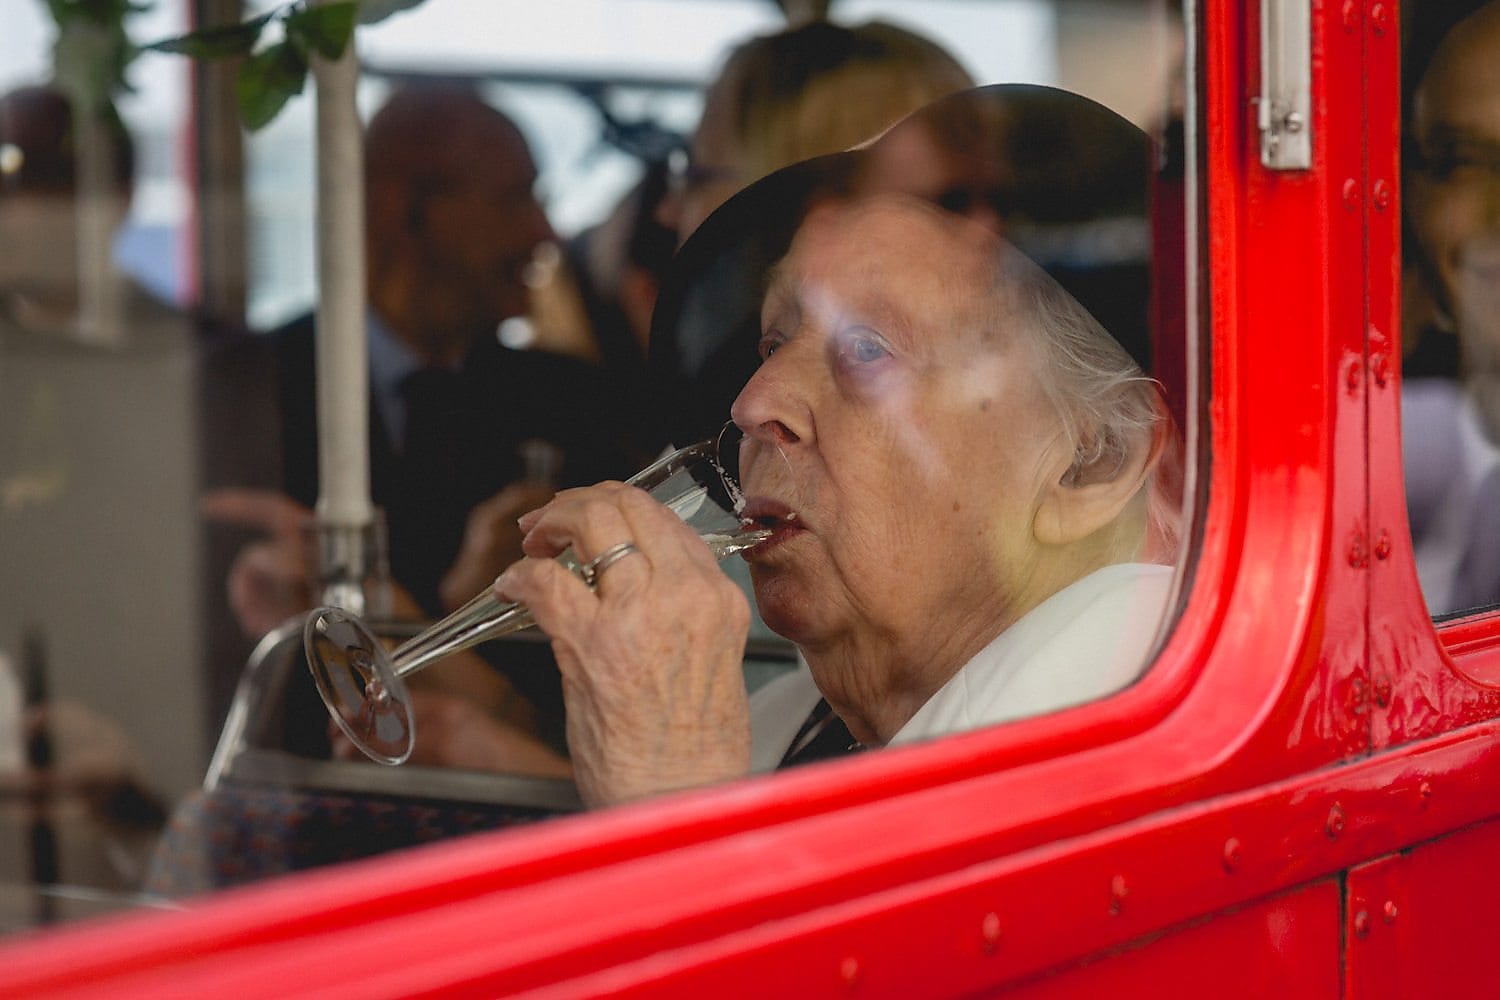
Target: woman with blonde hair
column 798, row 93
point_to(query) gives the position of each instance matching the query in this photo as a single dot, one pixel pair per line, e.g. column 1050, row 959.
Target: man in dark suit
column 465, row 434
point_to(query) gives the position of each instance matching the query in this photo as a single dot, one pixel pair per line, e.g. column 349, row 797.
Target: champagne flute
column 362, row 684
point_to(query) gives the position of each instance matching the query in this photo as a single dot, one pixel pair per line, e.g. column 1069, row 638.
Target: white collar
column 1085, row 641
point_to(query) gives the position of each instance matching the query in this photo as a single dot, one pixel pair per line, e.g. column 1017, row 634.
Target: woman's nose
column 769, row 408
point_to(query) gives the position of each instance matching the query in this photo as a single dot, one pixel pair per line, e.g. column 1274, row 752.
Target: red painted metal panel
column 1424, row 923
column 664, row 926
column 1010, row 920
column 1286, row 947
column 1375, row 942
column 1339, row 141
column 1449, row 916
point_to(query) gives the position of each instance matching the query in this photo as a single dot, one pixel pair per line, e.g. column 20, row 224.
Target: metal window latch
column 1283, row 111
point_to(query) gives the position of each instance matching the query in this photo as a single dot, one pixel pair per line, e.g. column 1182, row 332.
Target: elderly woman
column 957, row 461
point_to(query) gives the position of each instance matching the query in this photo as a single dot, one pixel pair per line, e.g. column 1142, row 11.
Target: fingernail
column 500, row 584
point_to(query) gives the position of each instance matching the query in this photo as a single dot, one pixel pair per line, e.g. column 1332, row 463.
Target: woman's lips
column 775, row 515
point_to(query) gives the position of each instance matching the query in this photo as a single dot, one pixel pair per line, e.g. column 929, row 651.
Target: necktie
column 424, row 503
column 822, row 737
column 431, row 399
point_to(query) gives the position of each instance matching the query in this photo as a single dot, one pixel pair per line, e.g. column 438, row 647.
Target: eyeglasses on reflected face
column 963, row 200
column 1454, row 158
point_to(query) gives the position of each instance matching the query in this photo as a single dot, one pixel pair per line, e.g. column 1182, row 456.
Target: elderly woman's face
column 897, row 435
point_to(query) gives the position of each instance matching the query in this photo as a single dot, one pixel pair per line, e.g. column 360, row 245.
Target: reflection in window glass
column 957, row 355
column 1451, row 303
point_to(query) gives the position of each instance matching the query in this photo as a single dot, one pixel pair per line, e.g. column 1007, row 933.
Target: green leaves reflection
column 273, row 73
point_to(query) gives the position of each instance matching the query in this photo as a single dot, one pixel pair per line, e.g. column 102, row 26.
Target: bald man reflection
column 957, row 462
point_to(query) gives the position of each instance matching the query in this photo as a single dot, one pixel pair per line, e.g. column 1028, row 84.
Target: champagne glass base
column 357, row 681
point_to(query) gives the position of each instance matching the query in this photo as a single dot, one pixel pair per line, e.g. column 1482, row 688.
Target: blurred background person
column 616, row 268
column 1451, row 426
column 465, row 433
column 798, row 93
column 1429, row 338
column 82, row 348
column 45, row 286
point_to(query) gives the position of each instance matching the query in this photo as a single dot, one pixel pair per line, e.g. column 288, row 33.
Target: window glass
column 1451, row 301
column 956, row 357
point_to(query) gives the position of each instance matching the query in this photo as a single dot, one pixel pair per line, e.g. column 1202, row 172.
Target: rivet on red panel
column 989, row 930
column 1118, row 890
column 849, row 971
column 1356, row 699
column 1380, row 18
column 1389, row 911
column 1362, row 923
column 1358, row 554
column 1351, row 377
column 1232, row 854
column 1335, row 824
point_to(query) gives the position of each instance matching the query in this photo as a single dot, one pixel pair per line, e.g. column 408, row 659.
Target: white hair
column 1108, row 406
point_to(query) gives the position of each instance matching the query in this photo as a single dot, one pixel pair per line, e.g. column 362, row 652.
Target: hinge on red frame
column 1283, row 111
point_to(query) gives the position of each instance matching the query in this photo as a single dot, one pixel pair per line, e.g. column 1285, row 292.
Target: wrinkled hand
column 453, row 731
column 651, row 659
column 268, row 582
column 492, row 541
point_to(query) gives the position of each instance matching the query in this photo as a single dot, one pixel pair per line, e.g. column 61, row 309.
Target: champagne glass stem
column 485, row 617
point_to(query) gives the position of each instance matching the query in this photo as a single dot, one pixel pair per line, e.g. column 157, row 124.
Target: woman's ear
column 1078, row 501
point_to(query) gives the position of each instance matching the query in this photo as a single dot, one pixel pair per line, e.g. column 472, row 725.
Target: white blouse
column 1089, row 639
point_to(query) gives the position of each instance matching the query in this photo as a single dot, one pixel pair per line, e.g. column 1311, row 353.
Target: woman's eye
column 769, row 344
column 861, row 347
